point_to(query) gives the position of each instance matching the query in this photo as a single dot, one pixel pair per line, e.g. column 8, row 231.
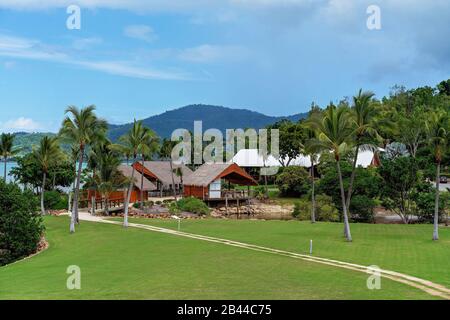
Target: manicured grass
column 119, row 263
column 403, row 248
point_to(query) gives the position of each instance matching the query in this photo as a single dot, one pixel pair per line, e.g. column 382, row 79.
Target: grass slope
column 403, row 248
column 137, row 264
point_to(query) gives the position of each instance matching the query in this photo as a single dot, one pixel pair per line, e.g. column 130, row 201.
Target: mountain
column 25, row 141
column 212, row 116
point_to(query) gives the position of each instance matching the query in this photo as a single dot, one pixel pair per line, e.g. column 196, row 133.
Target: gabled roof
column 127, row 172
column 208, row 173
column 161, row 171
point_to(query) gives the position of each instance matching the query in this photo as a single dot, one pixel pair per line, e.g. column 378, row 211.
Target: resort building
column 212, row 182
column 160, row 173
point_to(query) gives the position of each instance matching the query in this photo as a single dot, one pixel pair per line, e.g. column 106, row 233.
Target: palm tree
column 47, row 154
column 166, row 153
column 7, row 149
column 311, row 149
column 148, row 148
column 364, row 123
column 108, row 178
column 93, row 161
column 133, row 142
column 437, row 129
column 334, row 130
column 81, row 128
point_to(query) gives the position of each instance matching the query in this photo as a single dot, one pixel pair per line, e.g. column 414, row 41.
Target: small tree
column 7, row 149
column 400, row 181
column 47, row 154
column 437, row 126
column 293, row 182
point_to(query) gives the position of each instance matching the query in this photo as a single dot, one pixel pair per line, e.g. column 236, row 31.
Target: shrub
column 361, row 208
column 54, row 200
column 325, row 209
column 190, row 204
column 367, row 182
column 425, row 202
column 293, row 182
column 21, row 226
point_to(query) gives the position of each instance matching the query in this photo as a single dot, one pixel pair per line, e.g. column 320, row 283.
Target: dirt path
column 421, row 284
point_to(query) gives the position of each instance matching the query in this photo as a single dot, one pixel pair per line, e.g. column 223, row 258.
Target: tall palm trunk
column 142, row 184
column 352, row 179
column 43, row 192
column 348, row 234
column 74, row 218
column 6, row 161
column 313, row 196
column 173, row 181
column 127, row 200
column 436, row 203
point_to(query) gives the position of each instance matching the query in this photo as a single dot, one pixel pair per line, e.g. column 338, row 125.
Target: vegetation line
column 421, row 284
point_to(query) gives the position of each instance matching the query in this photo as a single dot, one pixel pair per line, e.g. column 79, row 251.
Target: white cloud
column 212, row 53
column 20, row 124
column 140, row 32
column 86, row 43
column 23, row 48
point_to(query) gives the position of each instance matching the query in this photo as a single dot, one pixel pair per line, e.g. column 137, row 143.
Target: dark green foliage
column 367, row 184
column 401, row 181
column 21, row 226
column 425, row 202
column 361, row 208
column 28, row 171
column 293, row 181
column 191, row 204
column 54, row 200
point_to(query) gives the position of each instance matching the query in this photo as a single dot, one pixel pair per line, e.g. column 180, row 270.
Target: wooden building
column 209, row 182
column 160, row 174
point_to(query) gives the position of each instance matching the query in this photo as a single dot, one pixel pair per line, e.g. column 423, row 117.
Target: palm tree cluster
column 356, row 127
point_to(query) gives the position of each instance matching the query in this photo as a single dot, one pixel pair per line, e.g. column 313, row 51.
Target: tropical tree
column 365, row 135
column 334, row 130
column 81, row 127
column 148, row 148
column 311, row 149
column 165, row 152
column 437, row 129
column 94, row 158
column 7, row 149
column 133, row 142
column 108, row 178
column 47, row 154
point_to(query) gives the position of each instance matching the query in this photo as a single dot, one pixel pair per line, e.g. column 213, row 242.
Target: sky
column 137, row 58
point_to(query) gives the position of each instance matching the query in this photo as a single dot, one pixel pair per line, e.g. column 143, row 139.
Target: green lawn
column 403, row 248
column 138, row 264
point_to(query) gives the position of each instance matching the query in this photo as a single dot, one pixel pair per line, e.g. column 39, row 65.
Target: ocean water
column 9, row 166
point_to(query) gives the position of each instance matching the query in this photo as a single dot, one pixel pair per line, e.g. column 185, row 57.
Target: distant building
column 209, row 182
column 160, row 174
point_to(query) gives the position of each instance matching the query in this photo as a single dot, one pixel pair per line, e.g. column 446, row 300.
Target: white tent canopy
column 251, row 158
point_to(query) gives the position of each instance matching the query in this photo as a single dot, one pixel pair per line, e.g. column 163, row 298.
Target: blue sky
column 138, row 58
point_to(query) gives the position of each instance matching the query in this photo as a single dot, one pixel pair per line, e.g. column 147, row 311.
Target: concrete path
column 421, row 284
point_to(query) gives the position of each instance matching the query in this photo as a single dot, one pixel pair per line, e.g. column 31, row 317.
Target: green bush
column 54, row 200
column 190, row 204
column 425, row 202
column 361, row 208
column 21, row 226
column 293, row 182
column 325, row 209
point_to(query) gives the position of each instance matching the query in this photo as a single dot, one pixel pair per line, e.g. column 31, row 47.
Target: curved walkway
column 421, row 284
